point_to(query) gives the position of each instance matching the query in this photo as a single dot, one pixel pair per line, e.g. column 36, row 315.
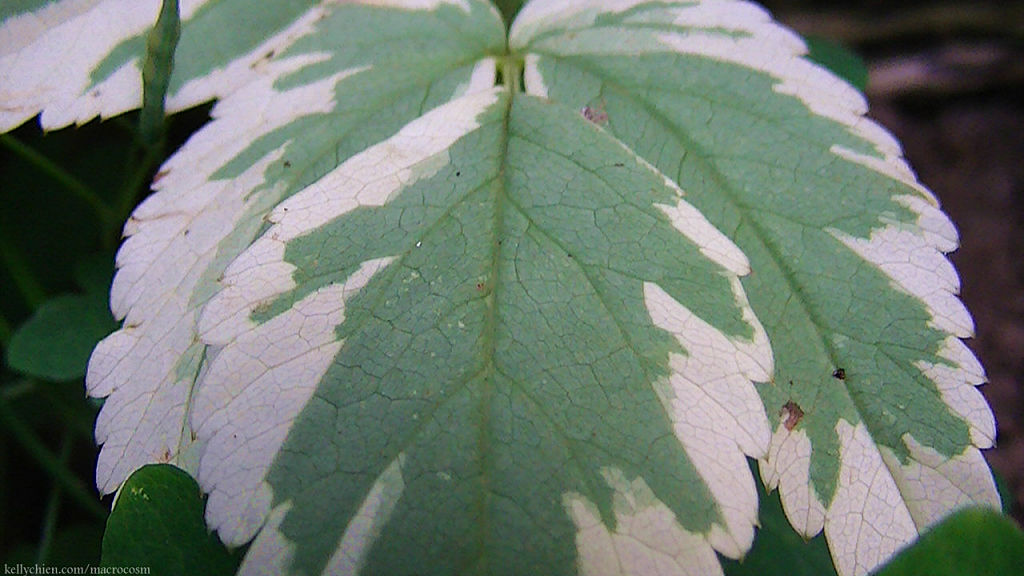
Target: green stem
column 150, row 142
column 53, row 506
column 71, row 184
column 31, row 289
column 156, row 73
column 60, row 473
column 511, row 69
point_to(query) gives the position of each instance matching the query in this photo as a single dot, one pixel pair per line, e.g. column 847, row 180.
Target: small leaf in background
column 979, row 542
column 839, row 59
column 54, row 344
column 157, row 522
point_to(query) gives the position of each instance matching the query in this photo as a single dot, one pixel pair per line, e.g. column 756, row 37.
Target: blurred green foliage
column 58, row 193
column 65, row 197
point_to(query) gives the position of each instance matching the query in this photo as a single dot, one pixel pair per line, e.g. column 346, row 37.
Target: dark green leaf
column 157, row 522
column 839, row 59
column 55, row 342
column 979, row 542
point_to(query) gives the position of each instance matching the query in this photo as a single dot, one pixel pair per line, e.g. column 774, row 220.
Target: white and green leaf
column 877, row 420
column 397, row 315
column 234, row 170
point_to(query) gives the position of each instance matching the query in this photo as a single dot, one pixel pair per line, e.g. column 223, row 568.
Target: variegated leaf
column 878, row 423
column 398, row 315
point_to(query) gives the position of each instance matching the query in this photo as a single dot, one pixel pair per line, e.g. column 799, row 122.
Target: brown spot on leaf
column 595, row 114
column 262, row 307
column 839, row 374
column 791, row 415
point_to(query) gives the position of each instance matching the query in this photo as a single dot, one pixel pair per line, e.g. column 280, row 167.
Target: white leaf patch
column 94, row 29
column 868, row 520
column 418, row 4
column 250, row 395
column 788, row 467
column 957, row 385
column 173, row 240
column 370, row 178
column 717, row 414
column 647, row 541
column 223, row 81
column 271, row 552
column 368, row 521
column 909, row 255
column 932, row 484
